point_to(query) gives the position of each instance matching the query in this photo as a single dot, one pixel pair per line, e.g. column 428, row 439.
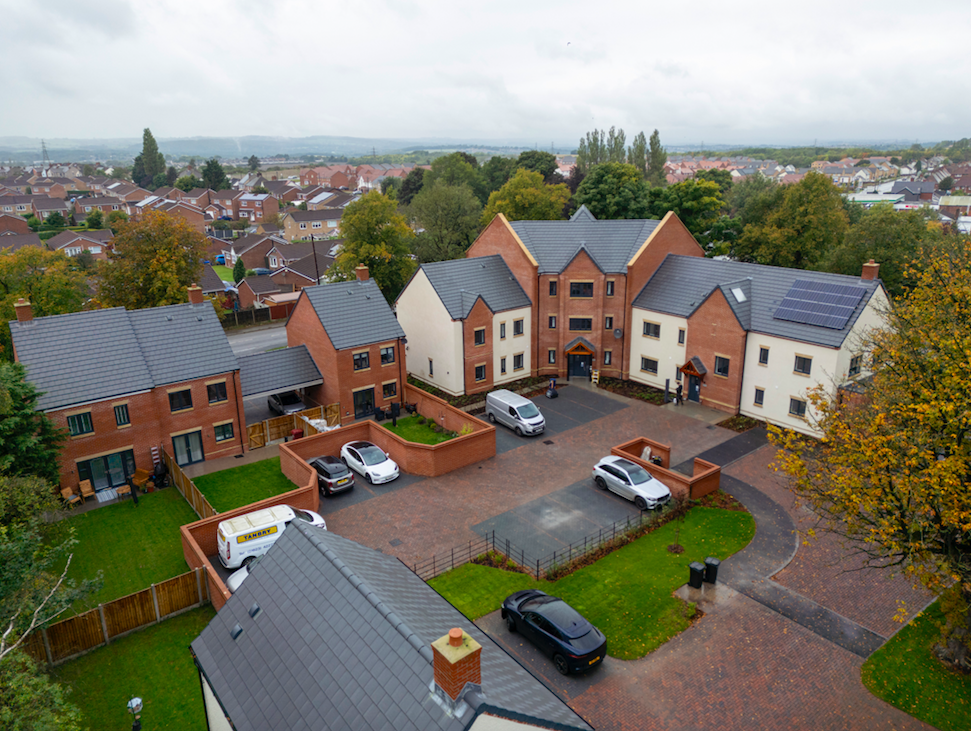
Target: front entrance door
column 188, row 448
column 363, row 403
column 694, row 389
column 579, row 365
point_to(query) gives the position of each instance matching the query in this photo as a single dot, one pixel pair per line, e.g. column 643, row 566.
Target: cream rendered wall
column 666, row 351
column 214, row 714
column 510, row 346
column 431, row 333
column 870, row 319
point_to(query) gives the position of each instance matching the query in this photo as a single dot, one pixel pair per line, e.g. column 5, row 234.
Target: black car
column 556, row 628
column 332, row 475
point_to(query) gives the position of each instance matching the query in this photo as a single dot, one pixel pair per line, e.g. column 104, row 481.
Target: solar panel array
column 824, row 304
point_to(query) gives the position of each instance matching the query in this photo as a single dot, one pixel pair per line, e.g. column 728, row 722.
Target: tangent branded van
column 518, row 413
column 242, row 539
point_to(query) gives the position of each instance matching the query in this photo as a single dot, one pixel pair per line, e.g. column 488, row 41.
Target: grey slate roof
column 261, row 284
column 342, row 642
column 353, row 313
column 277, row 370
column 210, row 281
column 460, row 282
column 611, row 244
column 682, row 283
column 89, row 356
column 15, row 242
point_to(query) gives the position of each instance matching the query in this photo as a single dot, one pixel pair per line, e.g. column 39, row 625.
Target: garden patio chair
column 86, row 489
column 123, row 490
column 69, row 497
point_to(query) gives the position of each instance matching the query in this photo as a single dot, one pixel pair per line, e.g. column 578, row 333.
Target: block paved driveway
column 746, row 663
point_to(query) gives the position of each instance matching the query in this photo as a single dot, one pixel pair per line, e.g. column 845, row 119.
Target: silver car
column 630, row 481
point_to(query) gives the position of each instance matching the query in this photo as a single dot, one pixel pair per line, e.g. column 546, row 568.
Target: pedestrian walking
column 679, row 396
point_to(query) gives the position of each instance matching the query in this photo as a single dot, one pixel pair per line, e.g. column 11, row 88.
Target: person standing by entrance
column 679, row 396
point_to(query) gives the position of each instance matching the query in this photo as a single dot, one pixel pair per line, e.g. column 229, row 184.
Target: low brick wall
column 199, row 538
column 705, row 478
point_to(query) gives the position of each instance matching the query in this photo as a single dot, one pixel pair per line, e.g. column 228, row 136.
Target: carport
column 263, row 374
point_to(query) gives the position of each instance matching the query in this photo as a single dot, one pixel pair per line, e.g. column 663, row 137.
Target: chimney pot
column 362, row 273
column 195, row 294
column 455, row 637
column 870, row 270
column 456, row 663
column 25, row 312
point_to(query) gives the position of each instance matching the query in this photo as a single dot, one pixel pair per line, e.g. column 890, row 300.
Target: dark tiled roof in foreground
column 342, row 641
column 353, row 313
column 682, row 283
column 100, row 354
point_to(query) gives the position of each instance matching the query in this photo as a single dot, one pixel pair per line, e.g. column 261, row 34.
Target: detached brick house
column 125, row 383
column 306, row 272
column 84, row 206
column 258, row 207
column 321, row 224
column 73, row 243
column 356, row 342
column 13, row 224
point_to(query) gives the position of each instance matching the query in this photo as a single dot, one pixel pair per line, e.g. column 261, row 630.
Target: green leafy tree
column 753, row 199
column 115, row 220
column 378, row 237
column 637, row 154
column 892, row 472
column 254, row 163
column 892, row 238
column 616, row 146
column 52, row 282
column 722, row 178
column 591, row 151
column 614, row 190
column 87, row 170
column 657, row 158
column 449, row 215
column 802, row 231
column 946, row 184
column 154, row 260
column 213, row 175
column 527, row 198
column 95, row 220
column 187, row 183
column 697, row 203
column 302, row 206
column 239, row 271
column 149, row 163
column 540, row 162
column 411, row 186
column 260, row 189
column 720, row 238
column 54, row 220
column 391, row 186
column 497, row 171
column 29, row 441
column 159, row 181
column 26, row 497
column 455, row 169
column 30, row 700
column 171, row 175
column 33, row 222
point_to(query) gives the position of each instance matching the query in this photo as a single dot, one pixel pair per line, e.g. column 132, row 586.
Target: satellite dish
column 618, row 333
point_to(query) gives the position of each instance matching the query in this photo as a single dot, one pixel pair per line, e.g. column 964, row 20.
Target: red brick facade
column 714, row 331
column 153, row 424
column 341, row 381
column 479, row 319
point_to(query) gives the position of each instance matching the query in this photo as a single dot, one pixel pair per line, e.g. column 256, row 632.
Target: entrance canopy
column 580, row 346
column 694, row 367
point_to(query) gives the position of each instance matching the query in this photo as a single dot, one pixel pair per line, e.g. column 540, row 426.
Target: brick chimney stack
column 456, row 662
column 871, row 270
column 24, row 311
column 195, row 294
column 362, row 273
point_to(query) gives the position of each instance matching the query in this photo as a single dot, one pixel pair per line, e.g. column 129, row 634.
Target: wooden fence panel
column 279, row 428
column 333, row 414
column 256, row 435
column 34, row 646
column 177, row 594
column 130, row 612
column 75, row 635
column 197, row 501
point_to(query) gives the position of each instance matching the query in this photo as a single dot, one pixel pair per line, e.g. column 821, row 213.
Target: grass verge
column 238, row 486
column 135, row 547
column 905, row 673
column 153, row 664
column 414, row 431
column 627, row 594
column 223, row 272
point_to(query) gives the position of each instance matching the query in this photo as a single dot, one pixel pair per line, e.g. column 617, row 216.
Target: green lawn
column 224, row 273
column 243, row 485
column 134, row 546
column 153, row 664
column 905, row 673
column 409, row 428
column 627, row 594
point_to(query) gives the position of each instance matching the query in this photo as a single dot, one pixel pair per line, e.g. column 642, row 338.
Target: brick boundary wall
column 705, row 478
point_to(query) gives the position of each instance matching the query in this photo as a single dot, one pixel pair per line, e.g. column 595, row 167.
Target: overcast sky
column 744, row 71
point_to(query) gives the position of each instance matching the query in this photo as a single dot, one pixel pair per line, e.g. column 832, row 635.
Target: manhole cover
column 713, row 426
column 395, row 541
column 547, row 441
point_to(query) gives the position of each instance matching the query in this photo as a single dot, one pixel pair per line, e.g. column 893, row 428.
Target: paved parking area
column 362, row 491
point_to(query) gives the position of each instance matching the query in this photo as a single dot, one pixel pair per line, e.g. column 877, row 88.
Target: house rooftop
column 338, row 635
column 353, row 313
column 98, row 354
column 460, row 282
column 286, row 369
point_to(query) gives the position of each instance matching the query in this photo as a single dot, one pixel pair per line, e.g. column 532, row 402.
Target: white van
column 518, row 413
column 242, row 539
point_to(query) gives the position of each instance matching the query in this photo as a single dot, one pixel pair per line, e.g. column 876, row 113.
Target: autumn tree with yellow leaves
column 892, row 471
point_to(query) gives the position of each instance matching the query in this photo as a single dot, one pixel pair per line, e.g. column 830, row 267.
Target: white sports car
column 630, row 481
column 370, row 461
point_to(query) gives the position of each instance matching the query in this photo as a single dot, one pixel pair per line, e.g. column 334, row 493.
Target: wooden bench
column 141, row 477
column 123, row 490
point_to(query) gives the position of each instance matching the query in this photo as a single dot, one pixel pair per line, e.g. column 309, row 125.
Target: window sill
column 123, row 426
column 385, row 365
column 764, row 365
column 362, row 370
column 719, row 375
column 797, row 373
column 182, row 411
column 82, row 436
column 226, row 439
column 218, row 403
column 516, row 370
column 651, row 337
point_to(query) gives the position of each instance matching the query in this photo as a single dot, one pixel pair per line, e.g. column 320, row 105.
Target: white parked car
column 237, row 577
column 370, row 461
column 631, row 481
